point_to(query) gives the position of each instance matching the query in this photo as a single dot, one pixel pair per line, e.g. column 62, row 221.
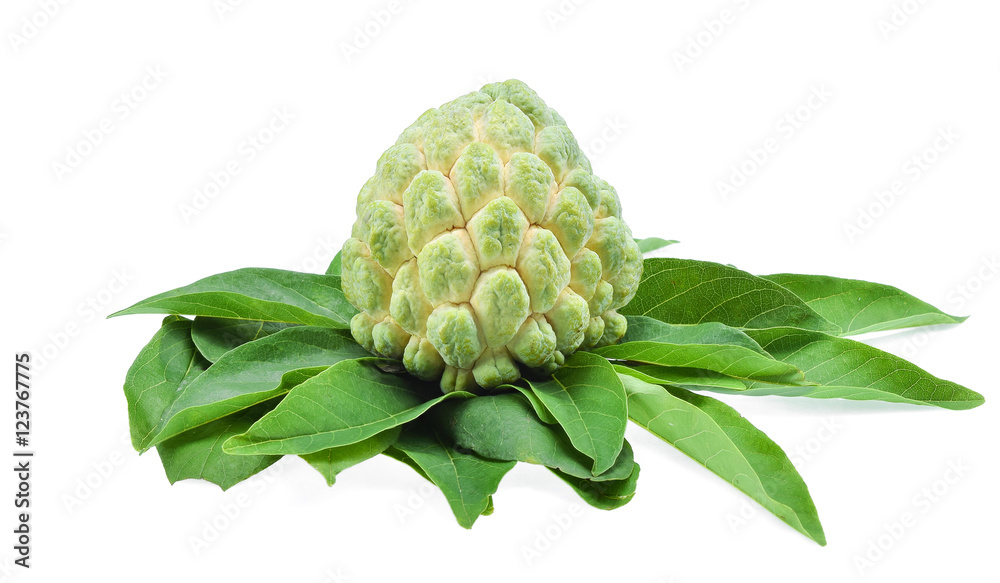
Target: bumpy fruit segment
column 485, row 247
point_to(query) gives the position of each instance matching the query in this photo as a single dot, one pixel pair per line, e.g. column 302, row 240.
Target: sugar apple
column 484, row 244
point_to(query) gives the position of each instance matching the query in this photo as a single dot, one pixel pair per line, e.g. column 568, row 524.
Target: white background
column 665, row 130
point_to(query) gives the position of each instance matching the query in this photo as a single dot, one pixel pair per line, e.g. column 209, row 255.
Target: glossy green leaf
column 467, row 480
column 588, row 400
column 543, row 414
column 642, row 328
column 335, row 266
column 505, row 427
column 861, row 306
column 332, row 461
column 348, row 402
column 270, row 295
column 684, row 291
column 402, row 457
column 686, row 378
column 247, row 375
column 165, row 366
column 217, row 336
column 397, row 455
column 606, row 495
column 197, row 454
column 651, row 244
column 717, row 437
column 734, row 361
column 848, row 369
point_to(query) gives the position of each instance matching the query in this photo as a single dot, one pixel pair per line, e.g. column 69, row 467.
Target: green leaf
column 861, row 306
column 166, row 365
column 606, row 495
column 197, row 454
column 848, row 369
column 734, row 361
column 467, row 480
column 717, row 437
column 505, row 427
column 247, row 375
column 684, row 291
column 686, row 378
column 649, row 329
column 650, row 244
column 402, row 457
column 217, row 336
column 588, row 399
column 332, row 461
column 348, row 402
column 543, row 414
column 335, row 265
column 709, row 334
column 270, row 295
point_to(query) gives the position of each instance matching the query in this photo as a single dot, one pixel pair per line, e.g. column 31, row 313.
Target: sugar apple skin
column 486, row 247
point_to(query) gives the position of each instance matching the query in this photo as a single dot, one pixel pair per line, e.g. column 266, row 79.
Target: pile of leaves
column 267, row 367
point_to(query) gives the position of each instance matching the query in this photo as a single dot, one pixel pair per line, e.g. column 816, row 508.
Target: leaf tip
column 818, row 536
column 232, row 444
column 977, row 400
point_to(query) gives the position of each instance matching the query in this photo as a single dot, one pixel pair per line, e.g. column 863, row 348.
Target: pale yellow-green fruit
column 485, row 247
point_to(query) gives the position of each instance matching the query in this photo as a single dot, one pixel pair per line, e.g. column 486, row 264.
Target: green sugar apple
column 485, row 246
